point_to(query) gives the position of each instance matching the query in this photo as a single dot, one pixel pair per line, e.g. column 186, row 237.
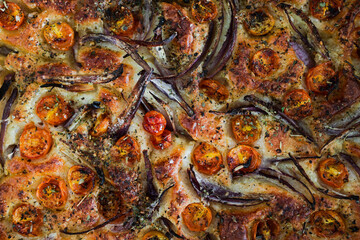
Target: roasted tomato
column 214, row 89
column 327, row 224
column 207, row 158
column 154, row 235
column 265, row 62
column 197, row 217
column 325, row 9
column 259, row 22
column 101, row 125
column 126, row 150
column 11, row 16
column 265, row 229
column 333, row 172
column 52, row 192
column 243, row 159
column 246, row 129
column 162, row 141
column 81, row 179
column 154, row 123
column 35, row 142
column 59, row 35
column 27, row 220
column 120, row 20
column 297, row 104
column 111, row 204
column 203, row 10
column 53, row 110
column 321, row 79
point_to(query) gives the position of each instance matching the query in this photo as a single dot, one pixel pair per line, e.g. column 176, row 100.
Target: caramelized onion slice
column 6, row 84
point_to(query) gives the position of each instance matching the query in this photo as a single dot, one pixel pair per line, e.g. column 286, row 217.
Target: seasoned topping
column 110, row 203
column 327, row 224
column 197, row 217
column 356, row 41
column 264, row 62
column 126, row 150
column 333, row 172
column 59, row 35
column 203, row 10
column 53, row 110
column 154, row 123
column 207, row 159
column 243, row 159
column 101, row 125
column 162, row 141
column 11, row 16
column 154, row 235
column 297, row 104
column 52, row 192
column 35, row 142
column 265, row 229
column 120, row 20
column 259, row 22
column 81, row 179
column 214, row 89
column 352, row 148
column 321, row 79
column 246, row 129
column 27, row 220
column 325, row 9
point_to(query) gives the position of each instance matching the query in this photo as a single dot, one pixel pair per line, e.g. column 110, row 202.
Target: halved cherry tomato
column 27, row 220
column 101, row 125
column 59, row 35
column 265, row 229
column 120, row 20
column 243, row 159
column 333, row 172
column 154, row 123
column 81, row 179
column 207, row 158
column 53, row 110
column 204, row 10
column 325, row 9
column 52, row 192
column 214, row 89
column 126, row 150
column 35, row 142
column 297, row 104
column 352, row 148
column 327, row 224
column 197, row 217
column 321, row 79
column 111, row 204
column 11, row 16
column 246, row 129
column 162, row 141
column 259, row 22
column 154, row 235
column 265, row 62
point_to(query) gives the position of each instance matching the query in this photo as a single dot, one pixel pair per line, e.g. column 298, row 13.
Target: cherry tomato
column 162, row 141
column 259, row 22
column 265, row 62
column 101, row 125
column 27, row 220
column 81, row 179
column 154, row 235
column 214, row 89
column 265, row 229
column 243, row 159
column 59, row 35
column 321, row 79
column 246, row 129
column 327, row 224
column 120, row 20
column 126, row 150
column 154, row 123
column 197, row 217
column 297, row 104
column 53, row 110
column 333, row 172
column 11, row 16
column 35, row 142
column 52, row 192
column 111, row 204
column 204, row 10
column 207, row 158
column 325, row 9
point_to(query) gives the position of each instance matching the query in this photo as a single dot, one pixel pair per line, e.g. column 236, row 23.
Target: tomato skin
column 207, row 159
column 214, row 89
column 27, row 220
column 297, row 104
column 81, row 179
column 333, row 172
column 204, row 10
column 162, row 141
column 101, row 125
column 54, row 110
column 321, row 79
column 259, row 22
column 126, row 150
column 325, row 9
column 12, row 18
column 246, row 129
column 327, row 223
column 52, row 192
column 197, row 217
column 59, row 36
column 35, row 142
column 264, row 62
column 120, row 20
column 265, row 229
column 245, row 157
column 154, row 123
column 154, row 235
